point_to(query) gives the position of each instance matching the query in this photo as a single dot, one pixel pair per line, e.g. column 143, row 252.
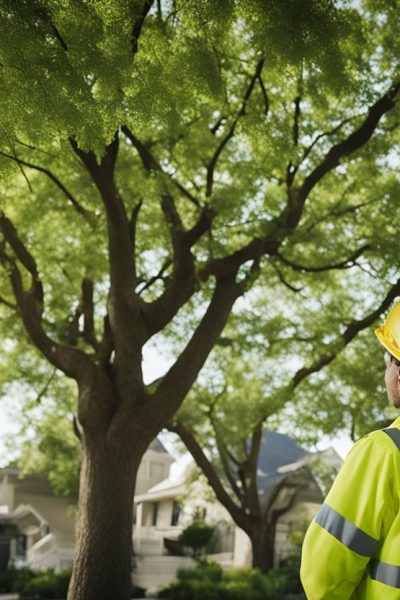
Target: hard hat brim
column 393, row 350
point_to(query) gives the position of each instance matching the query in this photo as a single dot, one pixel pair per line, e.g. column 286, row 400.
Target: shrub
column 192, row 589
column 46, row 584
column 197, row 536
column 206, row 570
column 12, row 578
column 208, row 582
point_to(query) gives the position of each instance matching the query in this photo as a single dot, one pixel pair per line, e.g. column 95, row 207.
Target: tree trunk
column 262, row 544
column 102, row 566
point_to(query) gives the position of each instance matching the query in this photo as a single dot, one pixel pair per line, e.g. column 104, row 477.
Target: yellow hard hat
column 389, row 333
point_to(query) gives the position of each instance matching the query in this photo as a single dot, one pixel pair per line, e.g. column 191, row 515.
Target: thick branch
column 227, row 467
column 138, row 25
column 119, row 234
column 227, row 463
column 177, row 382
column 123, row 304
column 248, row 471
column 346, row 337
column 254, row 250
column 356, row 140
column 30, row 305
column 181, row 286
column 106, row 346
column 132, row 230
column 264, row 95
column 332, row 131
column 297, row 196
column 217, row 153
column 89, row 333
column 291, row 481
column 209, row 471
column 297, row 101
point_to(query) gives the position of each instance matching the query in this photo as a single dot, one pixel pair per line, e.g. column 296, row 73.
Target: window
column 176, row 511
column 155, row 513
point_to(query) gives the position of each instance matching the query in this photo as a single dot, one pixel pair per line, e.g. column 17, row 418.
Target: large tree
column 161, row 156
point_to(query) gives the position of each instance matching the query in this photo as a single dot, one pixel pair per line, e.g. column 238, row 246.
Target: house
column 165, row 509
column 37, row 528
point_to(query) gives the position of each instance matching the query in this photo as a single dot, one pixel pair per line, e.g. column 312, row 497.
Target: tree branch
column 8, row 303
column 297, row 196
column 217, row 153
column 346, row 337
column 226, row 460
column 106, row 346
column 138, row 25
column 151, row 164
column 264, row 95
column 132, row 230
column 181, row 286
column 209, row 471
column 356, row 140
column 297, row 101
column 71, row 361
column 344, row 264
column 177, row 382
column 79, row 209
column 123, row 305
column 159, row 276
column 282, row 279
column 338, row 127
column 89, row 333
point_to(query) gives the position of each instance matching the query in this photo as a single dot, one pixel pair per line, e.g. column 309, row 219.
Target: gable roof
column 158, row 446
column 277, row 453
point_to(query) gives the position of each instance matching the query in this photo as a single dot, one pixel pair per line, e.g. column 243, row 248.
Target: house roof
column 278, row 455
column 158, row 446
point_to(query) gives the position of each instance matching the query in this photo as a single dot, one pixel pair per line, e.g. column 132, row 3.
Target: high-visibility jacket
column 352, row 547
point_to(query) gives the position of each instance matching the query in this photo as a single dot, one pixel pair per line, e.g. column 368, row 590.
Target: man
column 352, row 547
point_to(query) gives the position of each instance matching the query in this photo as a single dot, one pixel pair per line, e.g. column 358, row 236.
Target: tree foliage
column 161, row 160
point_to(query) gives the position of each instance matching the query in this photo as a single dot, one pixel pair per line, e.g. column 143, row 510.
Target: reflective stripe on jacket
column 352, row 547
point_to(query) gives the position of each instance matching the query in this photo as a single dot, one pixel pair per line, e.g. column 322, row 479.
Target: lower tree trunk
column 103, row 556
column 262, row 544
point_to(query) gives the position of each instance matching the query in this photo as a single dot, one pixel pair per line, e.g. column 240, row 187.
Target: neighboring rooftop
column 277, row 450
column 158, row 446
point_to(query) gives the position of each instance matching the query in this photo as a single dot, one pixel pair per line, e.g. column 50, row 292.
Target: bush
column 209, row 582
column 12, row 578
column 197, row 536
column 206, row 570
column 192, row 589
column 46, row 585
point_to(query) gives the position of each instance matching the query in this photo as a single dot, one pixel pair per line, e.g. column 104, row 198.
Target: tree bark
column 102, row 566
column 262, row 544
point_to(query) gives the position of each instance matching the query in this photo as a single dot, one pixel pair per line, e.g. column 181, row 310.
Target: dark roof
column 158, row 446
column 277, row 450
